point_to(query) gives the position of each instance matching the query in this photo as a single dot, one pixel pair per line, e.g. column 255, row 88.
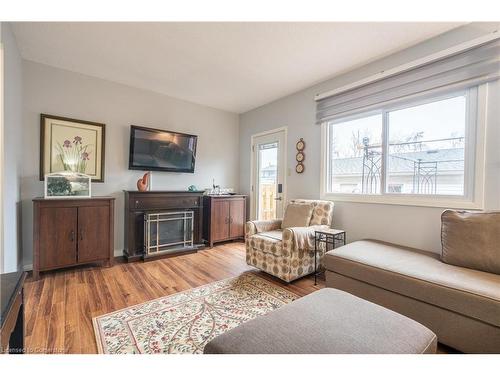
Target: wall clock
column 300, row 146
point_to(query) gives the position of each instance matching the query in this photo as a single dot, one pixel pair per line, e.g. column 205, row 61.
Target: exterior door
column 268, row 174
column 237, row 220
column 58, row 227
column 93, row 233
column 220, row 219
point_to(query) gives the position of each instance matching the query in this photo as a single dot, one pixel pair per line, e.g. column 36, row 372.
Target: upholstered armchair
column 287, row 252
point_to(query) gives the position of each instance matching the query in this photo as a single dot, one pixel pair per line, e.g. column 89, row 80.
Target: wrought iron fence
column 425, row 172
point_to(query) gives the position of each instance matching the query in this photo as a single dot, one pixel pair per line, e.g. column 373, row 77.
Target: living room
column 250, row 187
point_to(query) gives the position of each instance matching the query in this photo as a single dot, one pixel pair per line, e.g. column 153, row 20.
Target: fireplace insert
column 168, row 232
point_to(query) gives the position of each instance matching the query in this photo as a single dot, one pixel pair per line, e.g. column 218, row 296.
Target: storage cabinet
column 224, row 218
column 68, row 232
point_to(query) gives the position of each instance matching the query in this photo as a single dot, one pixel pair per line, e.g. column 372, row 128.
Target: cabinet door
column 57, row 237
column 220, row 219
column 93, row 233
column 237, row 221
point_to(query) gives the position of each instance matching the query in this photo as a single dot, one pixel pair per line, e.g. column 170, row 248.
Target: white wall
column 59, row 92
column 13, row 150
column 412, row 226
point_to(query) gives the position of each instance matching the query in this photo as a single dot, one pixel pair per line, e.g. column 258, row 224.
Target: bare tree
column 356, row 145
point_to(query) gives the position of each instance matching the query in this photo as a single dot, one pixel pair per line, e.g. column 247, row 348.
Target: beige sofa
column 461, row 305
column 286, row 253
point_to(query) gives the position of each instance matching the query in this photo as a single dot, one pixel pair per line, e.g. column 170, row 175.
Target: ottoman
column 328, row 321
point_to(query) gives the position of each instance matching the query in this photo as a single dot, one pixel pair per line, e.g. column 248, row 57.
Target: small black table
column 12, row 312
column 328, row 237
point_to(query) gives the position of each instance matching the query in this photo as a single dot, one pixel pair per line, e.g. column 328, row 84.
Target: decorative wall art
column 300, row 157
column 72, row 146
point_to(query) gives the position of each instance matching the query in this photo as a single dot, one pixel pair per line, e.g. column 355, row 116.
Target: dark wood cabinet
column 93, row 236
column 68, row 232
column 57, row 228
column 140, row 203
column 224, row 218
column 237, row 216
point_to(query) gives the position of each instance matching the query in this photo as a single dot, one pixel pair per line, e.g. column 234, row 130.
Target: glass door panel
column 267, row 187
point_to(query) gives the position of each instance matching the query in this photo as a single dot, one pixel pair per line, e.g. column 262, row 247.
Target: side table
column 328, row 237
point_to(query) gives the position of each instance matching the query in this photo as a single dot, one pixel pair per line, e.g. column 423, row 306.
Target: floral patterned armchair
column 286, row 253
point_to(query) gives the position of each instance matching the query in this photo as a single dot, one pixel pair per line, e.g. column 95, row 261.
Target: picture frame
column 71, row 145
column 67, row 185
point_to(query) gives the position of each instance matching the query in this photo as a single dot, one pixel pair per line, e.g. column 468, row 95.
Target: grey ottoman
column 328, row 321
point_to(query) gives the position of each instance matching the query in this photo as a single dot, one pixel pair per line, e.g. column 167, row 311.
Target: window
column 421, row 150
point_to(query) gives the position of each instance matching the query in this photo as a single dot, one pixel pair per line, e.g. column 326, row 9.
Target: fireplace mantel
column 139, row 203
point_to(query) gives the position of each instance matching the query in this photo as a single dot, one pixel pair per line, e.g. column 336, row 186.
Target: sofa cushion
column 471, row 239
column 420, row 275
column 297, row 215
column 267, row 242
column 328, row 321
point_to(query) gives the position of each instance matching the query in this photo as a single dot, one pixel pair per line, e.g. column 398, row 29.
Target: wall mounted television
column 161, row 150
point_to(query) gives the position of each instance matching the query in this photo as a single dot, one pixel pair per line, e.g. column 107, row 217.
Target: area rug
column 185, row 322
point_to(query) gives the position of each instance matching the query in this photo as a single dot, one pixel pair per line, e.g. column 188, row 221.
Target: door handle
column 72, row 236
column 277, row 198
column 81, row 235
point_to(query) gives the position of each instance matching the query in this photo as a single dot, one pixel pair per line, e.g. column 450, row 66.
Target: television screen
column 160, row 150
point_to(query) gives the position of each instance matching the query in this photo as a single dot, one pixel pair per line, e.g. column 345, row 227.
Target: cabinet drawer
column 152, row 203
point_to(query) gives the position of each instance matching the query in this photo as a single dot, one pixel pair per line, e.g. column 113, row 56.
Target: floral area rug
column 185, row 322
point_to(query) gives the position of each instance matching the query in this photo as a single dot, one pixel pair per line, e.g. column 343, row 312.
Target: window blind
column 465, row 69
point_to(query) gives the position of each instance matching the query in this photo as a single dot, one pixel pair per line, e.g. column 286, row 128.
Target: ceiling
column 230, row 66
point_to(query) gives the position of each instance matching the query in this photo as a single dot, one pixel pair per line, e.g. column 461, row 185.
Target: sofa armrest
column 258, row 226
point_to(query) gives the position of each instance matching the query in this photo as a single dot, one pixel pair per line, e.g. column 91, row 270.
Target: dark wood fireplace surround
column 139, row 203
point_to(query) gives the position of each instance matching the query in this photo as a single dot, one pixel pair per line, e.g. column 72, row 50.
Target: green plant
column 74, row 155
column 59, row 186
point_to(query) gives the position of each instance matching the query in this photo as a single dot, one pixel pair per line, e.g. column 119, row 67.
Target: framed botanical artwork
column 69, row 145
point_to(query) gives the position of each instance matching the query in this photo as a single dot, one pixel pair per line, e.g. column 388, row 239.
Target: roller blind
column 465, row 69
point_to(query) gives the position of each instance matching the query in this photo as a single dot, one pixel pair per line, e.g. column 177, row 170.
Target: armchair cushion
column 322, row 213
column 297, row 215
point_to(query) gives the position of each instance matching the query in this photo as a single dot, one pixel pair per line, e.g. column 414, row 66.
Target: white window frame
column 474, row 166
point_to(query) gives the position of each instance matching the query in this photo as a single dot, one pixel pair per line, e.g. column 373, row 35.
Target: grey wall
column 408, row 225
column 59, row 92
column 13, row 150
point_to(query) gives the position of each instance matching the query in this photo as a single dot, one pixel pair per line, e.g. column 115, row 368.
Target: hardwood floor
column 60, row 306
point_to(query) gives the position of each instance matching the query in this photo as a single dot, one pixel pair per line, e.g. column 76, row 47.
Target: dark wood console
column 138, row 203
column 224, row 218
column 70, row 232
